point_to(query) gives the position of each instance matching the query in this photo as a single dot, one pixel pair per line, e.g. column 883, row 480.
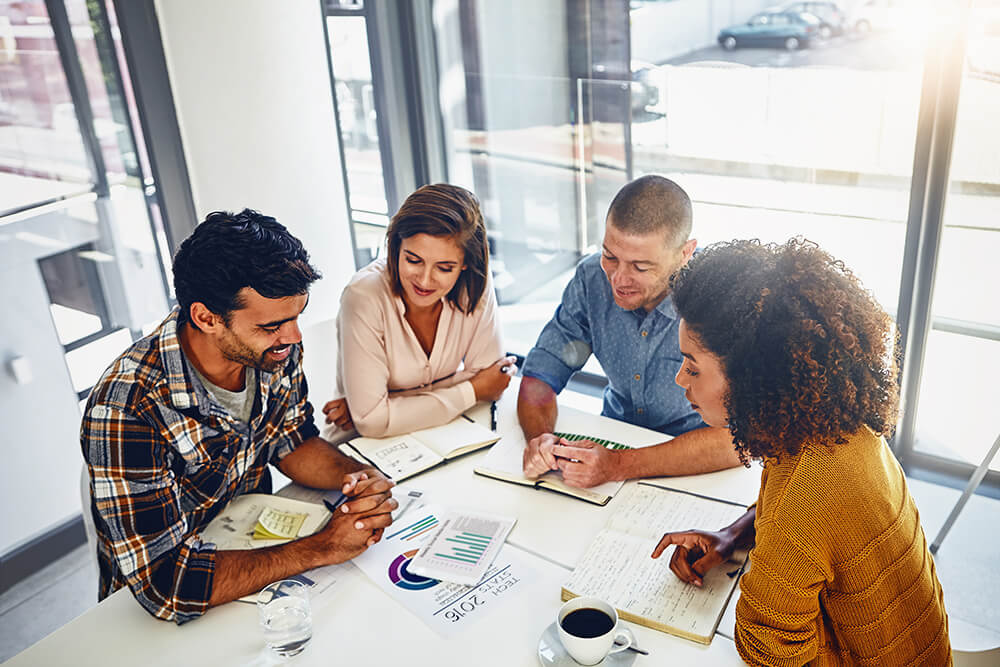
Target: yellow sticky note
column 277, row 525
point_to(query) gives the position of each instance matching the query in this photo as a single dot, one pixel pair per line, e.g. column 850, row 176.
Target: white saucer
column 551, row 653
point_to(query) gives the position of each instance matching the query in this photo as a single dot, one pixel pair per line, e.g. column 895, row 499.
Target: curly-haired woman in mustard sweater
column 783, row 344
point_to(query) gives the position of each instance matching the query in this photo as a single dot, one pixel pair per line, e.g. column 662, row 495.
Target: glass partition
column 83, row 266
column 770, row 143
column 42, row 157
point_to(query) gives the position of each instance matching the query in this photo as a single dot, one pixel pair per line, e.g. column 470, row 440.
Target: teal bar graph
column 465, row 547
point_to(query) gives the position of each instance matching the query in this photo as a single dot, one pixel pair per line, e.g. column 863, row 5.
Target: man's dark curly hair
column 809, row 354
column 230, row 251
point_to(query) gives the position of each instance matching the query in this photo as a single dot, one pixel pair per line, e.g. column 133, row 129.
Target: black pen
column 332, row 506
column 493, row 415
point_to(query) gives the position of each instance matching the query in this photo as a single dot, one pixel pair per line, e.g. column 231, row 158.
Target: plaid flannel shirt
column 165, row 459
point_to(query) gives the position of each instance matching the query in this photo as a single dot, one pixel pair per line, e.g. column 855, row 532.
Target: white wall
column 251, row 87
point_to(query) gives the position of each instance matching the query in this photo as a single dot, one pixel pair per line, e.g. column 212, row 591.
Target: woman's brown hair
column 444, row 210
column 809, row 354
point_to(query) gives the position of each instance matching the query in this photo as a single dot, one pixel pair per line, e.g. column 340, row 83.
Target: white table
column 356, row 623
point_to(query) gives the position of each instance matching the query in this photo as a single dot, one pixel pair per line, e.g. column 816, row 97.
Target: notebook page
column 456, row 434
column 617, row 566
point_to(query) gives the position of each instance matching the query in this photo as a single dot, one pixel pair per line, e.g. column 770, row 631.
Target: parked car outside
column 832, row 20
column 789, row 30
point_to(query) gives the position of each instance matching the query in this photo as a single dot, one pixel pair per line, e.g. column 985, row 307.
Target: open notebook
column 403, row 456
column 617, row 566
column 504, row 462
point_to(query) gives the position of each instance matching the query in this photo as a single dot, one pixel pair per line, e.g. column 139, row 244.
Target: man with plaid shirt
column 190, row 416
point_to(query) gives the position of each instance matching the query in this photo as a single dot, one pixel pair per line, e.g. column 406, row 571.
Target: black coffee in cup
column 587, row 623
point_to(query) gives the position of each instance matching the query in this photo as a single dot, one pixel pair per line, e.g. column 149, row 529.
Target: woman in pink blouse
column 418, row 331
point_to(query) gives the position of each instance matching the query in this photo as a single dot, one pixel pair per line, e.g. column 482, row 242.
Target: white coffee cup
column 592, row 636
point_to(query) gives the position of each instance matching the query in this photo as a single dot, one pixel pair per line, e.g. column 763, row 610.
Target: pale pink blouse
column 391, row 385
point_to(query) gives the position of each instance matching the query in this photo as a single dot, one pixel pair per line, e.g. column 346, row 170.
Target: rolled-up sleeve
column 167, row 567
column 565, row 343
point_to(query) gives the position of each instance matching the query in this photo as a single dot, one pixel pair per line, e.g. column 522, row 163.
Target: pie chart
column 403, row 578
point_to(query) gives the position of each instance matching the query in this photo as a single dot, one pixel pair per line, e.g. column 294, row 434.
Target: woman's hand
column 336, row 412
column 697, row 552
column 490, row 382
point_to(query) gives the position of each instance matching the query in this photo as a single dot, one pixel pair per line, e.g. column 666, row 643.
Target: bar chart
column 463, row 547
column 466, row 547
column 415, row 529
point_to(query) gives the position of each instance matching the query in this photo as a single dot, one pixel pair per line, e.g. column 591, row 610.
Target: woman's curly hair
column 809, row 354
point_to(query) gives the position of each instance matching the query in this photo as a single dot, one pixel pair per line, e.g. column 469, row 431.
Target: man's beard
column 236, row 350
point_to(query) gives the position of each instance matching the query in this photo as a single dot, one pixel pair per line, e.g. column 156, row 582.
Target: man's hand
column 697, row 552
column 365, row 482
column 538, row 458
column 585, row 463
column 347, row 535
column 336, row 412
column 370, row 494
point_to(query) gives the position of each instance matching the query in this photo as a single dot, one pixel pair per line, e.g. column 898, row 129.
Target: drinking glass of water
column 285, row 617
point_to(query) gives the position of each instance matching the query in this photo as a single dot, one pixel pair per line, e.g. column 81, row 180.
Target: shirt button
column 636, row 376
column 645, row 333
column 639, row 411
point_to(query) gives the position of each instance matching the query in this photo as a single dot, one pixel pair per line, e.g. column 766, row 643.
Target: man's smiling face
column 262, row 332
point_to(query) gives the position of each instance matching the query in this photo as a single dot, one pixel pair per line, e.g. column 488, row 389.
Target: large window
column 79, row 218
column 347, row 26
column 547, row 114
column 81, row 260
column 539, row 141
column 962, row 360
column 809, row 120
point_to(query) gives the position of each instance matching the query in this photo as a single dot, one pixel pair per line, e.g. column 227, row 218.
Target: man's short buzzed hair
column 651, row 204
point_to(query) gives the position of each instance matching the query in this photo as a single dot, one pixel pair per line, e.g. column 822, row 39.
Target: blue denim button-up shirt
column 637, row 349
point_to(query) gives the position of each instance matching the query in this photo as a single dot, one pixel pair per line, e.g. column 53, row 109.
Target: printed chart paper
column 463, row 547
column 444, row 607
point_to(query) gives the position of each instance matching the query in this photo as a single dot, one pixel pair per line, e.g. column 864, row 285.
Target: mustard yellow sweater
column 840, row 574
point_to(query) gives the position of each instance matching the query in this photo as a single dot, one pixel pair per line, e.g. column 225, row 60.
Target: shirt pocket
column 206, row 468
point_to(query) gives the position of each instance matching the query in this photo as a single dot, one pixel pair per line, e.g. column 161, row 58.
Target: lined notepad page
column 617, row 566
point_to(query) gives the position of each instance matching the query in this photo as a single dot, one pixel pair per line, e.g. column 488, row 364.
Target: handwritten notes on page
column 617, row 566
column 274, row 524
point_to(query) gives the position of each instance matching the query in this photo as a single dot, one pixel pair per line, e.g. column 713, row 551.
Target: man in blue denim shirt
column 618, row 308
